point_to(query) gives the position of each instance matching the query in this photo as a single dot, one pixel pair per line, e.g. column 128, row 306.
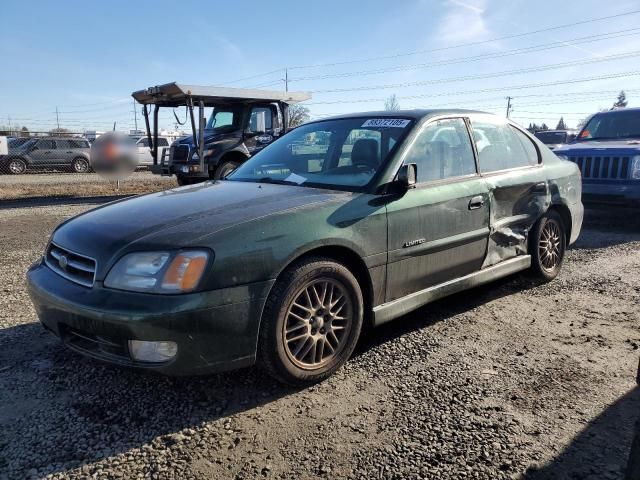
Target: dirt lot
column 511, row 380
column 58, row 184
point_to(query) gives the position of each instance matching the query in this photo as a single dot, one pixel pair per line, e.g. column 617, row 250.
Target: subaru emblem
column 63, row 261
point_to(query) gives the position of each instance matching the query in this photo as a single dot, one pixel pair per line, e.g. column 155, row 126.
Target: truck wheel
column 311, row 322
column 225, row 168
column 17, row 166
column 547, row 244
column 80, row 165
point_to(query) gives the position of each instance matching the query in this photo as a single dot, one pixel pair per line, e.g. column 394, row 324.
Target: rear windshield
column 612, row 126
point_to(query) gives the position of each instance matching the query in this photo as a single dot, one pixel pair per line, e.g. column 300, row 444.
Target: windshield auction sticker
column 386, row 122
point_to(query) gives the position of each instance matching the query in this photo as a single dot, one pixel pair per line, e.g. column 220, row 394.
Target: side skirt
column 401, row 306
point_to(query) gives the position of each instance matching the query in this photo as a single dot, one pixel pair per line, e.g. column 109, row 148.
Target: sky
column 85, row 59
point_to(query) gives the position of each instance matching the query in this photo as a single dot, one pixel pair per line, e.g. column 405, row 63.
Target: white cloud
column 463, row 22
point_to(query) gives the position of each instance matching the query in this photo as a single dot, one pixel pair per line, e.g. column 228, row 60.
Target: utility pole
column 135, row 115
column 9, row 118
column 509, row 105
column 57, row 118
column 286, row 80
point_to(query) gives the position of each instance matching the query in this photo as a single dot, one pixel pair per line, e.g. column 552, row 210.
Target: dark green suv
column 341, row 222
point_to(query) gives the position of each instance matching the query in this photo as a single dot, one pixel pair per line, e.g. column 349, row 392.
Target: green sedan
column 341, row 223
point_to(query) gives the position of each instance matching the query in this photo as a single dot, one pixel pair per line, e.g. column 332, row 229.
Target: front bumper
column 613, row 192
column 214, row 330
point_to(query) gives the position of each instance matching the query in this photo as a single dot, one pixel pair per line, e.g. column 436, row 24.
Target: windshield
column 343, row 154
column 611, row 126
column 224, row 118
column 551, row 138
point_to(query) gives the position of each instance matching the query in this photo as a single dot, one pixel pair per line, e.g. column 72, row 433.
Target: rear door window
column 45, row 145
column 530, row 150
column 499, row 147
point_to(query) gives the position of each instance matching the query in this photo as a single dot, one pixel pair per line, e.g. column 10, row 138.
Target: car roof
column 416, row 114
column 618, row 110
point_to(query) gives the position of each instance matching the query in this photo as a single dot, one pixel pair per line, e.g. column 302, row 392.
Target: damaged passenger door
column 510, row 164
column 438, row 230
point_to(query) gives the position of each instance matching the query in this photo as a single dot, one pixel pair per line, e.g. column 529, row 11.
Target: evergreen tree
column 561, row 125
column 622, row 101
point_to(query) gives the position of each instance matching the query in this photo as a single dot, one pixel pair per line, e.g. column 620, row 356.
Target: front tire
column 311, row 322
column 224, row 169
column 17, row 166
column 547, row 244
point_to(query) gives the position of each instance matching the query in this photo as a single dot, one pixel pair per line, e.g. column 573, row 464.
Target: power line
column 487, row 90
column 473, row 58
column 503, row 73
column 468, row 44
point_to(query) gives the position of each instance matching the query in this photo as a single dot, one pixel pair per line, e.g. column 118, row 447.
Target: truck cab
column 607, row 151
column 242, row 122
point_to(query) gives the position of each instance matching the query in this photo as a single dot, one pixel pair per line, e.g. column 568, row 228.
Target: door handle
column 476, row 202
column 540, row 188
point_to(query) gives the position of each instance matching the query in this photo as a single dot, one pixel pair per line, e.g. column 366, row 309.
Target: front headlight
column 158, row 272
column 635, row 168
column 561, row 156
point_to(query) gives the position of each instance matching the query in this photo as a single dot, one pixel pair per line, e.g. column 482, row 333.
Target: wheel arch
column 565, row 215
column 350, row 259
column 232, row 155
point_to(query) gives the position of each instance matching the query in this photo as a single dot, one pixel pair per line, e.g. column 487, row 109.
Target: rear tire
column 225, row 168
column 311, row 322
column 80, row 165
column 17, row 166
column 547, row 244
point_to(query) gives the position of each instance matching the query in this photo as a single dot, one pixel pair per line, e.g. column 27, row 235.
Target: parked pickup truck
column 607, row 151
column 555, row 139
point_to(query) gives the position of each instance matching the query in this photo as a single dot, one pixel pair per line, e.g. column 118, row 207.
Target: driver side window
column 442, row 150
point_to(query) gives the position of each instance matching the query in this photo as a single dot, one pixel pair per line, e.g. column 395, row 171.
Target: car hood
column 209, row 137
column 181, row 217
column 624, row 147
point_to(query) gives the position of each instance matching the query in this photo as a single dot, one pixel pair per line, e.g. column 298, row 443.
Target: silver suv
column 48, row 152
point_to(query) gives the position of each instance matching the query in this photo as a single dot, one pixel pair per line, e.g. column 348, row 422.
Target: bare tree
column 298, row 114
column 391, row 104
column 59, row 132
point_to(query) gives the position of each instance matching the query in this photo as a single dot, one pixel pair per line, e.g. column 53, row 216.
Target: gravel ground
column 510, row 380
column 61, row 184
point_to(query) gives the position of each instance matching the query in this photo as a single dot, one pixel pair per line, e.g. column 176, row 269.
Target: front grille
column 608, row 168
column 180, row 153
column 70, row 265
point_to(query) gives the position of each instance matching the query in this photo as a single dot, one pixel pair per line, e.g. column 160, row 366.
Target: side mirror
column 407, row 175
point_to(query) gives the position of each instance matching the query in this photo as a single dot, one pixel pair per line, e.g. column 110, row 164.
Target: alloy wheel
column 318, row 323
column 81, row 166
column 550, row 246
column 17, row 167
